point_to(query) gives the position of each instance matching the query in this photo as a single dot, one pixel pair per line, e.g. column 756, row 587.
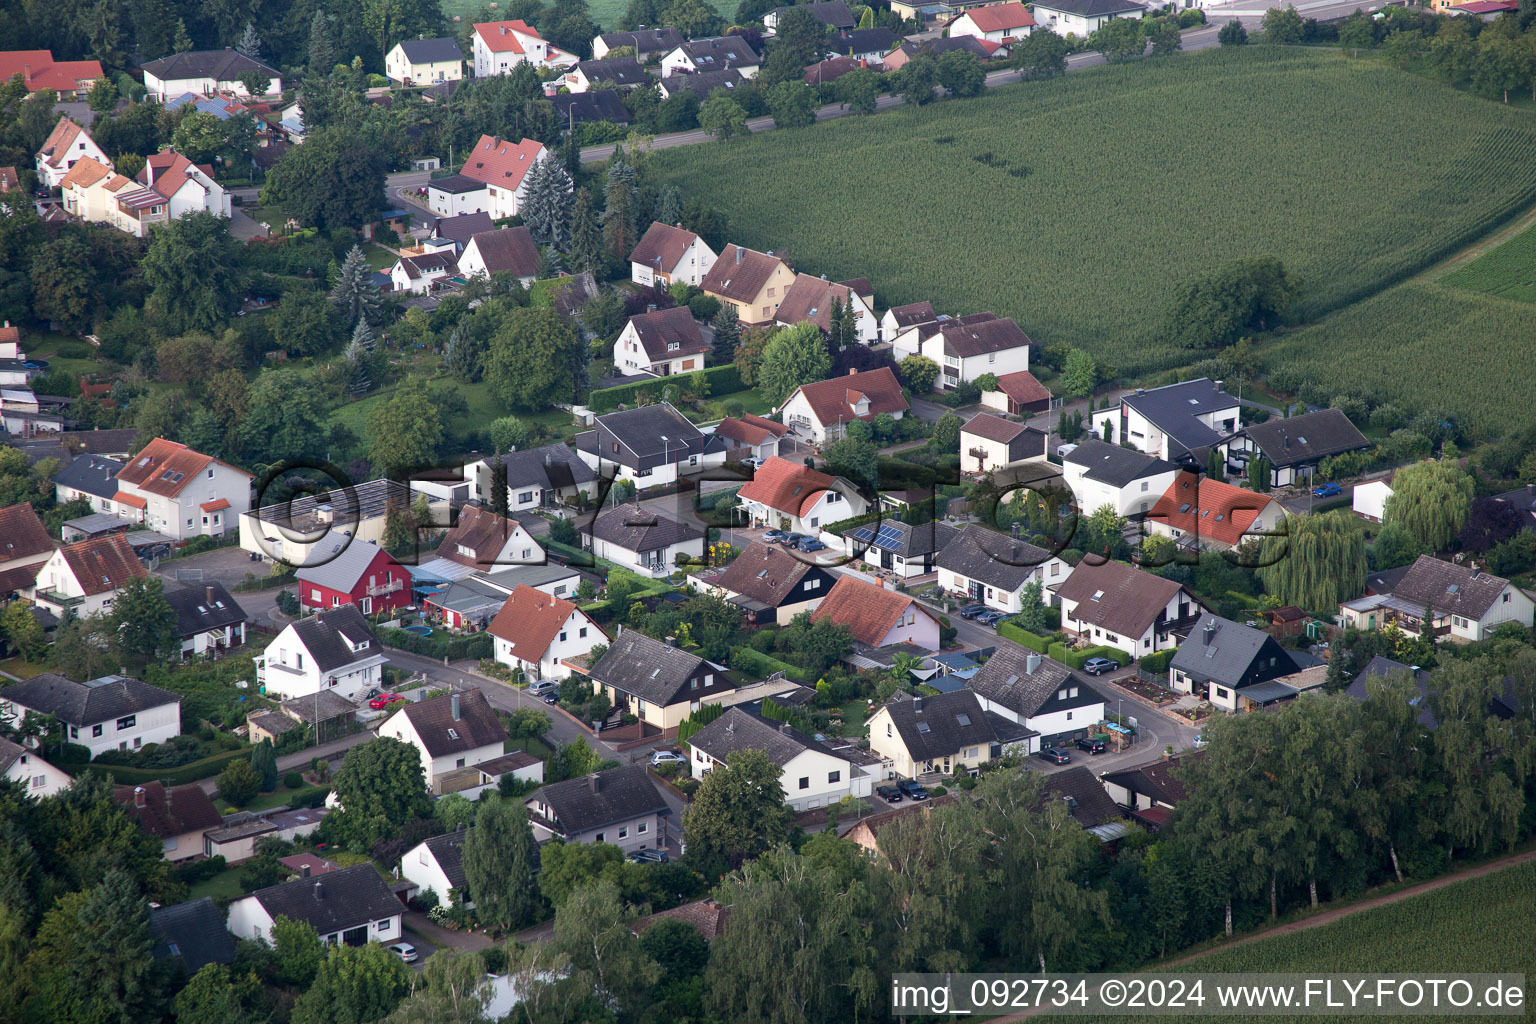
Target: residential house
column 502, row 167
column 667, row 254
column 811, row 774
column 706, row 916
column 862, row 44
column 1171, row 422
column 981, row 49
column 456, row 730
column 192, row 934
column 662, row 342
column 536, row 477
column 482, row 541
column 769, row 584
column 422, row 273
column 701, row 83
column 425, row 61
column 755, row 283
column 10, row 181
column 618, row 73
column 471, row 602
column 947, row 733
column 899, row 319
column 1231, row 665
column 652, row 445
column 1043, row 695
column 508, row 250
column 457, row 195
column 23, row 766
column 110, row 713
column 242, row 832
column 901, row 548
column 877, row 617
column 578, row 108
column 1151, row 791
column 620, row 806
column 66, row 146
column 500, row 46
column 360, row 574
column 184, row 186
column 827, row 71
column 1083, row 17
column 756, row 436
column 1202, row 514
column 208, row 620
column 207, row 72
column 1521, row 499
column 989, row 442
column 967, row 347
column 71, row 79
column 92, row 477
column 535, row 634
column 1463, row 603
column 649, row 44
column 24, row 547
column 810, row 300
column 1006, row 22
column 1018, row 394
column 1120, row 606
column 351, row 906
column 1369, row 499
column 785, row 495
column 1293, row 447
column 1380, row 668
column 865, row 833
column 1130, row 482
column 654, row 681
column 83, row 578
column 300, row 531
column 332, row 651
column 821, row 411
column 436, row 865
column 719, row 53
column 642, row 540
column 183, row 493
column 89, row 191
column 831, row 14
column 992, row 569
column 177, row 816
column 452, row 234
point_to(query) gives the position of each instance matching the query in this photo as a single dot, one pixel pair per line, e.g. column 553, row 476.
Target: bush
column 760, row 665
column 200, row 870
column 287, row 603
column 1023, row 637
column 720, row 380
column 1190, row 18
column 293, row 780
column 314, row 798
column 1077, row 659
column 1158, row 661
column 703, row 307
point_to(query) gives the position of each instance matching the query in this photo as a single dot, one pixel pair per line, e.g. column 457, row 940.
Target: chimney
column 917, row 705
column 1216, row 385
column 1210, row 633
column 138, row 796
column 208, row 595
column 740, row 252
column 592, row 782
column 783, row 727
column 854, row 372
column 1285, row 440
column 1014, row 531
column 650, row 307
column 453, row 706
column 304, row 871
column 1032, row 663
column 319, row 890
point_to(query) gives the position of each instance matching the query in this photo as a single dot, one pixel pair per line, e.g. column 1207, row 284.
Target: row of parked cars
column 790, row 539
column 905, row 789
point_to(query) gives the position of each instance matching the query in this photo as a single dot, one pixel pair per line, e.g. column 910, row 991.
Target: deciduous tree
column 795, row 355
column 380, row 787
column 143, row 621
column 738, row 812
column 498, row 860
column 405, row 430
column 355, row 985
column 1316, row 562
column 1430, row 500
column 533, row 359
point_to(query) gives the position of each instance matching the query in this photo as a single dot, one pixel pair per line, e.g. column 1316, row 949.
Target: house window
column 96, row 730
column 813, row 584
column 459, row 763
column 772, row 292
column 384, row 926
column 1143, row 485
column 422, row 856
column 805, row 782
column 642, row 828
column 693, row 684
column 887, row 728
column 599, row 837
column 1072, row 691
column 528, row 495
column 834, row 777
column 562, row 636
column 210, row 474
column 582, row 632
column 74, row 732
column 39, row 781
column 1055, row 568
column 767, row 311
column 1069, row 716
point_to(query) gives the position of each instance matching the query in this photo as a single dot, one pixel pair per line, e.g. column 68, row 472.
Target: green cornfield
column 1480, row 925
column 1077, row 205
column 1508, row 271
column 1425, row 346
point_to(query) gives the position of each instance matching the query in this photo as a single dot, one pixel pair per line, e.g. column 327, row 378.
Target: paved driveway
column 229, row 566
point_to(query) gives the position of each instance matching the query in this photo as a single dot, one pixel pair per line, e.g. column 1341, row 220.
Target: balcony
column 380, row 589
column 58, row 599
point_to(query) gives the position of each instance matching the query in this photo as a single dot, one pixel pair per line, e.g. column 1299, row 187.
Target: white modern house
column 810, row 773
column 966, row 347
column 500, row 46
column 110, row 713
column 784, row 495
column 456, row 730
column 1130, row 482
column 667, row 254
column 1083, row 17
column 333, row 651
column 436, row 865
column 993, row 569
column 66, row 146
column 1170, row 421
column 206, row 72
column 1370, row 499
column 652, row 445
column 644, row 541
column 500, row 166
column 989, row 442
column 1007, row 22
column 1120, row 606
column 1043, row 695
column 351, row 906
column 83, row 578
column 535, row 633
column 38, row 777
column 661, row 342
column 183, row 493
column 821, row 412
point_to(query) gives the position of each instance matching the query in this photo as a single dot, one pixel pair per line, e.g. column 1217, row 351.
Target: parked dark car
column 789, row 540
column 1055, row 755
column 810, row 544
column 1098, row 666
column 970, row 611
column 991, row 618
column 912, row 789
column 888, row 793
column 649, row 857
column 1092, row 744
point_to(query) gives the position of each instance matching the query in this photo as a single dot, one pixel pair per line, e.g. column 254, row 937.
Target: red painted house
column 359, row 573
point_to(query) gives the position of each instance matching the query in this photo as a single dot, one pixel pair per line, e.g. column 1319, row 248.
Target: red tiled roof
column 59, row 142
column 168, row 813
column 1208, row 508
column 833, row 400
column 164, row 467
column 1000, row 17
column 41, row 71
column 530, row 621
column 500, row 36
column 21, row 533
column 787, row 486
column 482, row 532
column 869, row 612
column 501, row 163
column 810, row 299
column 1023, row 388
column 740, row 273
column 217, row 505
column 750, row 429
column 124, row 498
column 8, row 334
column 706, row 915
column 166, row 172
column 102, row 564
column 993, row 428
column 662, row 246
column 86, row 172
column 8, row 179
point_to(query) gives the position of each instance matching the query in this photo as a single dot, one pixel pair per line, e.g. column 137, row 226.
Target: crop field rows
column 1077, row 205
column 1508, row 271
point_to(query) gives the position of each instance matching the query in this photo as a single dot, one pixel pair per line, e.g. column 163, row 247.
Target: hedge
column 1158, row 661
column 719, row 380
column 1022, row 636
column 438, row 645
column 194, row 771
column 1077, row 659
column 761, row 665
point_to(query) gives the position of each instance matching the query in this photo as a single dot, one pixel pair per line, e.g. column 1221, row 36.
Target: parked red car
column 384, row 700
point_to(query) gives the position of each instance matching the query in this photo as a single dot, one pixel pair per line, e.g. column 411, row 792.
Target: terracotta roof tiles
column 869, row 612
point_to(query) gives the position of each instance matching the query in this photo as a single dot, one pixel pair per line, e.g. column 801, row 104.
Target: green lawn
column 751, row 401
column 537, row 747
column 1508, row 271
column 224, row 885
column 279, row 797
column 1036, row 219
column 379, row 258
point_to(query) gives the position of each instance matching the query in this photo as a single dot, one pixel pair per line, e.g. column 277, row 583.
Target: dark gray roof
column 1305, row 439
column 1087, row 800
column 1447, row 587
column 442, row 734
column 863, row 40
column 1005, row 679
column 431, row 51
column 552, row 467
column 194, row 932
column 326, row 637
column 650, row 436
column 1172, row 408
column 455, row 184
column 1091, row 8
column 463, row 227
column 80, row 704
column 739, row 729
column 602, row 798
column 448, row 850
column 582, row 107
column 93, row 474
column 201, row 608
column 323, row 705
column 766, row 573
column 1379, row 668
column 333, row 902
column 996, row 560
column 646, row 40
column 1224, row 655
column 635, row 528
column 1110, row 464
column 702, row 83
column 904, row 539
column 722, row 52
column 225, row 65
column 937, row 727
column 619, row 70
column 1524, row 501
column 645, row 667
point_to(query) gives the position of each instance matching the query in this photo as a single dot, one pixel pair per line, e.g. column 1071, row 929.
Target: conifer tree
column 546, row 208
column 355, row 293
column 586, row 245
column 360, row 359
column 727, row 325
column 321, row 57
column 183, row 41
column 619, row 216
column 250, row 42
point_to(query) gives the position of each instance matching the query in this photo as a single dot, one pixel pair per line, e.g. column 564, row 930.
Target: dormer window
column 673, row 346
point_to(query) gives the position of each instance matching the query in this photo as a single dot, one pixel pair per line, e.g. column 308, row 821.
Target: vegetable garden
column 1077, row 205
